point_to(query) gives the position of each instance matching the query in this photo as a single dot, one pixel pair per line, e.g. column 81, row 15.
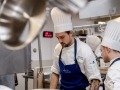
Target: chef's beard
column 66, row 45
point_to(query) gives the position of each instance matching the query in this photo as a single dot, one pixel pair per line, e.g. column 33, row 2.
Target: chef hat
column 112, row 35
column 93, row 41
column 61, row 20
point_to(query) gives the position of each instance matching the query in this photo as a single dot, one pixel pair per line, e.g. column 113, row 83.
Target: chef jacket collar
column 113, row 60
column 71, row 46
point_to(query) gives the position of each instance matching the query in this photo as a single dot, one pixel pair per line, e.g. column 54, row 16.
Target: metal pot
column 21, row 21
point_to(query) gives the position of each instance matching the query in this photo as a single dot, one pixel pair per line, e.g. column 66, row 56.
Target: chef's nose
column 60, row 40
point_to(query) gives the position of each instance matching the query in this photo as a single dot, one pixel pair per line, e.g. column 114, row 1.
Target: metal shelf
column 82, row 37
column 89, row 26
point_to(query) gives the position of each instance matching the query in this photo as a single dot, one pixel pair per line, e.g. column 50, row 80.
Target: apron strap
column 75, row 51
column 60, row 54
column 103, row 82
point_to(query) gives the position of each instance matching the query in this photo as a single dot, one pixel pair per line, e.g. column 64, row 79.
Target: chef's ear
column 71, row 32
column 108, row 49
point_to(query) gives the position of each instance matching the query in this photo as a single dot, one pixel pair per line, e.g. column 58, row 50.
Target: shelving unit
column 89, row 28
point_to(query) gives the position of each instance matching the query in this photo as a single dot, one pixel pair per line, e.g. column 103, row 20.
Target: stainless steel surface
column 8, row 80
column 40, row 54
column 101, row 10
column 21, row 21
column 69, row 6
column 17, row 61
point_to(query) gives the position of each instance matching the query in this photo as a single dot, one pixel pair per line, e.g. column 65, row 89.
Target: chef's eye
column 62, row 37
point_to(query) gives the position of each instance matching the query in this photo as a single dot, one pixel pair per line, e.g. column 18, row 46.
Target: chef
column 110, row 48
column 74, row 61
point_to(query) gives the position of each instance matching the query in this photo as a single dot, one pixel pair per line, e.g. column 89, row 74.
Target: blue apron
column 118, row 59
column 71, row 76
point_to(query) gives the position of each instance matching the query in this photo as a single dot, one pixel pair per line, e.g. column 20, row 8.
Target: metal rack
column 78, row 28
column 88, row 26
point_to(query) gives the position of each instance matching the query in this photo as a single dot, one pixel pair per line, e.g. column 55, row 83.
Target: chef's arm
column 54, row 81
column 95, row 83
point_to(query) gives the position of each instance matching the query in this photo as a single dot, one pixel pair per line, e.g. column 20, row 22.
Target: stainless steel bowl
column 21, row 21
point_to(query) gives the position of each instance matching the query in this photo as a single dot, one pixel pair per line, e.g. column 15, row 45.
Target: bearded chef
column 74, row 61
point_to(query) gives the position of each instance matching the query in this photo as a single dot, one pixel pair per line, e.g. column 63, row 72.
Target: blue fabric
column 71, row 76
column 118, row 59
column 103, row 82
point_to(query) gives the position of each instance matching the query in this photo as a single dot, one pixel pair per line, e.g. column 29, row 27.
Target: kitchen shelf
column 82, row 37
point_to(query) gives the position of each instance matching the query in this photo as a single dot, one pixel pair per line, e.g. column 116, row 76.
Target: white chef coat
column 112, row 81
column 85, row 58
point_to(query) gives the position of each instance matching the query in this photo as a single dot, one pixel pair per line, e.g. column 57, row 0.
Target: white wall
column 47, row 44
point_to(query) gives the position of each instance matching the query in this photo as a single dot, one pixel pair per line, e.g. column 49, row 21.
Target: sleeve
column 113, row 79
column 55, row 67
column 91, row 68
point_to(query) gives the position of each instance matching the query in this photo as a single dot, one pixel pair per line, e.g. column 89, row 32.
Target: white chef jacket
column 112, row 81
column 85, row 58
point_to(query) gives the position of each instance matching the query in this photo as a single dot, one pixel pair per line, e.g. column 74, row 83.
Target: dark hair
column 100, row 37
column 68, row 32
column 116, row 51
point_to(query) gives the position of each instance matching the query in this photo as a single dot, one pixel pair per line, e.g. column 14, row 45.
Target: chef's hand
column 94, row 84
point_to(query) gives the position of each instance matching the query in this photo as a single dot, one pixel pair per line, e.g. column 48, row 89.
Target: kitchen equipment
column 21, row 21
column 101, row 10
column 69, row 6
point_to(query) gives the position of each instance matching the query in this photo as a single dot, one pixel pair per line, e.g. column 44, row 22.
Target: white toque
column 93, row 41
column 61, row 20
column 112, row 35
